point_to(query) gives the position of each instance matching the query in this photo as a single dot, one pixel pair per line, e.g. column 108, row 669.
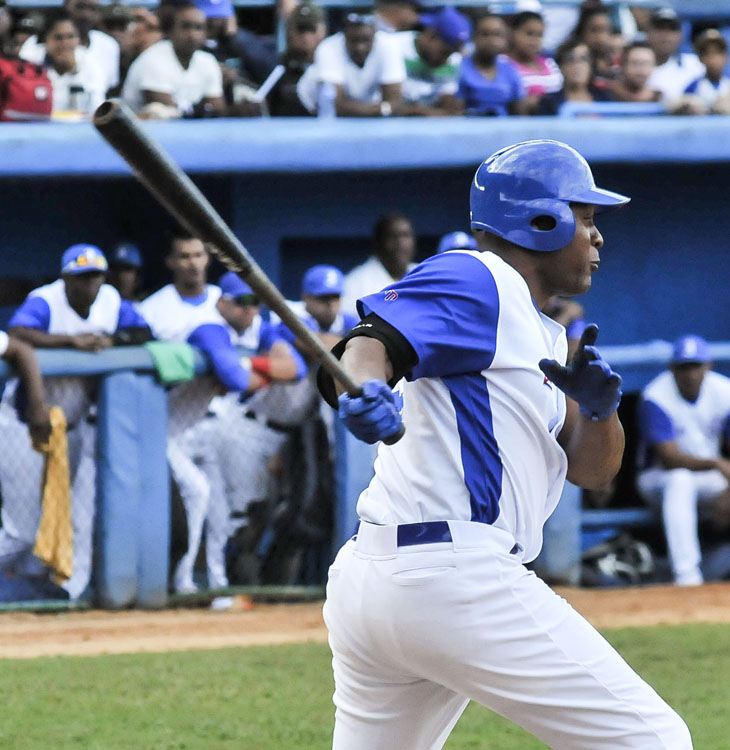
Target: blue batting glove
column 587, row 379
column 372, row 416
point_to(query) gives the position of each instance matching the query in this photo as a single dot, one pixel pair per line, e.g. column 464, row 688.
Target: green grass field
column 280, row 697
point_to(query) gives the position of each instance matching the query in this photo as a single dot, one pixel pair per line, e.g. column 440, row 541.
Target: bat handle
column 356, row 392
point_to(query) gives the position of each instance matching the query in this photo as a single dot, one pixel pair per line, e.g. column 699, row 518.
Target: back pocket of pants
column 420, row 576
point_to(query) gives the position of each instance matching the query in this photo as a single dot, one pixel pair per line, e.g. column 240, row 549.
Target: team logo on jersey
column 391, row 295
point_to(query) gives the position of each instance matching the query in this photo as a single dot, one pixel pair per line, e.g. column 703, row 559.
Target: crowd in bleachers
column 197, row 59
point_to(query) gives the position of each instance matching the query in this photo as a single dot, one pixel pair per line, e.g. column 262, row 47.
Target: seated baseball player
column 685, row 420
column 80, row 311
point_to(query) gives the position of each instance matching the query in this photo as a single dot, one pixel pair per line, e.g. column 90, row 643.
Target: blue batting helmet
column 532, row 179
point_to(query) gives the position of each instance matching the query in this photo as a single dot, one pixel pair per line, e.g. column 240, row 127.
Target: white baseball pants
column 683, row 495
column 416, row 632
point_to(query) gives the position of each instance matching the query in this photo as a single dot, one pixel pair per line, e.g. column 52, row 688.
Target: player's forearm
column 41, row 339
column 595, row 451
column 364, row 359
column 673, row 458
column 23, row 359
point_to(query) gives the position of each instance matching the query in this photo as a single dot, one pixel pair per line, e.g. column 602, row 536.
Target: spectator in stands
column 176, row 77
column 714, row 88
column 540, row 74
column 394, row 249
column 595, row 30
column 674, row 70
column 433, row 58
column 77, row 311
column 104, row 49
column 78, row 82
column 396, row 15
column 116, row 20
column 364, row 66
column 305, row 29
column 6, row 25
column 489, row 83
column 125, row 266
column 574, row 60
column 637, row 65
column 684, row 418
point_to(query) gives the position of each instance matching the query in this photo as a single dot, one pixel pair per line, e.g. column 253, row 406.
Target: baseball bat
column 167, row 182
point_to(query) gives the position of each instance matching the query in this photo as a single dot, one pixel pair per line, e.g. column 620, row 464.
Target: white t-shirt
column 4, row 342
column 673, row 76
column 367, row 278
column 104, row 49
column 481, row 419
column 88, row 77
column 383, row 66
column 158, row 69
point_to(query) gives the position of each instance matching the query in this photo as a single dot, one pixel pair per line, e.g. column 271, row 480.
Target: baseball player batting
column 430, row 605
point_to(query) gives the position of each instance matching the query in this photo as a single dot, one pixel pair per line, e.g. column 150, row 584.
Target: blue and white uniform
column 194, row 320
column 698, row 428
column 47, row 309
column 424, row 617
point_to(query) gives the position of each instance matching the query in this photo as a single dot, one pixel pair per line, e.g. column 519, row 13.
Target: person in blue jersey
column 430, row 605
column 78, row 311
column 685, row 422
column 187, row 310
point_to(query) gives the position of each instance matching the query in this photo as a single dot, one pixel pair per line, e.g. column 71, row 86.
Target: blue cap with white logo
column 232, row 285
column 690, row 348
column 83, row 258
column 126, row 254
column 320, row 281
column 457, row 241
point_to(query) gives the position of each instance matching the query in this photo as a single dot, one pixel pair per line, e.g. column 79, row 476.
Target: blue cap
column 83, row 259
column 451, row 25
column 215, row 8
column 322, row 280
column 690, row 349
column 233, row 286
column 126, row 254
column 457, row 241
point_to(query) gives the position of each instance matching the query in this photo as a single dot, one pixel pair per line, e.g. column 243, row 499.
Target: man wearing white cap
column 685, row 419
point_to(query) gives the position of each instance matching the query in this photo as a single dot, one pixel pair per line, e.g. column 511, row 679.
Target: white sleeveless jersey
column 696, row 427
column 481, row 419
column 64, row 320
column 173, row 318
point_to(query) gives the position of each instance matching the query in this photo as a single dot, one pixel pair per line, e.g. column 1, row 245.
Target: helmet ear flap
column 550, row 224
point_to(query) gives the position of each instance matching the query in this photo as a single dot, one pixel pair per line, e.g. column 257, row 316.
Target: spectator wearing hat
column 713, row 89
column 540, row 74
column 77, row 311
column 489, row 83
column 176, row 77
column 432, row 58
column 456, row 241
column 365, row 68
column 102, row 48
column 306, row 27
column 685, row 423
column 396, row 15
column 125, row 265
column 674, row 70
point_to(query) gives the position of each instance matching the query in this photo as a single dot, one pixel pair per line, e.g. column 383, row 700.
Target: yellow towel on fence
column 54, row 540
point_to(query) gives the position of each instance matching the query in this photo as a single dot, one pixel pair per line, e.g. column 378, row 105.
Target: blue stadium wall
column 300, row 192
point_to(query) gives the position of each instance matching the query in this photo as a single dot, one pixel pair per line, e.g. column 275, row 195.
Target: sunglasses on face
column 246, row 300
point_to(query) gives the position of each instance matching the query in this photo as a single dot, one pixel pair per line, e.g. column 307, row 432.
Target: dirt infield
column 25, row 635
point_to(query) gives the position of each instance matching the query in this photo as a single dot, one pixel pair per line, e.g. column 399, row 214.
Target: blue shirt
column 483, row 96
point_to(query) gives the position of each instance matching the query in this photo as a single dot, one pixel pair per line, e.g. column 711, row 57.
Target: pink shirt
column 545, row 80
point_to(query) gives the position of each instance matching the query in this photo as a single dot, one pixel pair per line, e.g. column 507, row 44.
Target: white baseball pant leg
column 195, row 493
column 418, row 631
column 20, row 478
column 682, row 494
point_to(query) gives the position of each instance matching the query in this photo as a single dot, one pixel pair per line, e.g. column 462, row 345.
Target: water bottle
column 326, row 100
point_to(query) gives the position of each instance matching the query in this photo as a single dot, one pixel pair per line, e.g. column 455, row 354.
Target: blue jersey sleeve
column 447, row 308
column 656, row 426
column 33, row 313
column 214, row 341
column 129, row 316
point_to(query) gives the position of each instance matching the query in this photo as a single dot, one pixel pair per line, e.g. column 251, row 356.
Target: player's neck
column 526, row 264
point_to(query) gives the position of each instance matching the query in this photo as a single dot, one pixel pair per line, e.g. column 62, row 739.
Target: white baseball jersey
column 697, row 426
column 481, row 418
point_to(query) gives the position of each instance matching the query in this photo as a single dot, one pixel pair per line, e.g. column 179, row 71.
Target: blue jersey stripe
column 479, row 450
